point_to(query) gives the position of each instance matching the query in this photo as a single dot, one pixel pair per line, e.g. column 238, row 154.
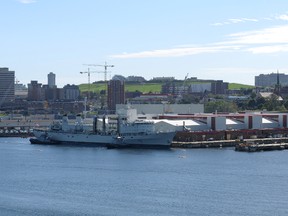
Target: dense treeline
column 253, row 103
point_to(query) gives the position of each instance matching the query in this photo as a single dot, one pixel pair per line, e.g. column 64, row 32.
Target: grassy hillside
column 93, row 87
column 239, row 86
column 145, row 88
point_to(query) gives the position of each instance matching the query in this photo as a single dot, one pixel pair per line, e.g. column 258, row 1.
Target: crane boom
column 105, row 68
column 182, row 88
column 88, row 72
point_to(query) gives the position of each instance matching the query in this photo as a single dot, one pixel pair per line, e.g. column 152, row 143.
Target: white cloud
column 27, row 1
column 268, row 49
column 264, row 41
column 176, row 52
column 269, row 35
column 235, row 21
column 282, row 17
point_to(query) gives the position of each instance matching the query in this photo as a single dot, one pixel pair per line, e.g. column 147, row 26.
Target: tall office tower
column 7, row 85
column 116, row 94
column 51, row 80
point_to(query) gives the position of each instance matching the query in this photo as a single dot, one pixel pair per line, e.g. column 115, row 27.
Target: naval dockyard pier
column 24, row 128
column 262, row 144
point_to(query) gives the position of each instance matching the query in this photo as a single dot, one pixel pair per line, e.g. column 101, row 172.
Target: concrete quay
column 27, row 124
column 251, row 147
column 205, row 144
column 21, row 128
column 228, row 143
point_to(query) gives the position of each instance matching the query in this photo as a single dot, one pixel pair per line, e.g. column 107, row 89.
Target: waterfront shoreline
column 195, row 145
column 226, row 143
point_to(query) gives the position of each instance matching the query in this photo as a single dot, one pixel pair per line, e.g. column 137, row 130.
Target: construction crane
column 105, row 69
column 182, row 89
column 88, row 72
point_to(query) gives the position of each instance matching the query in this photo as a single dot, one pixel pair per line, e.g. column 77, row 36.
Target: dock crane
column 105, row 69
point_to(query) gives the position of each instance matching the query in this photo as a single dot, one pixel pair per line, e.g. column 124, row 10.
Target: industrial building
column 200, row 86
column 165, row 108
column 199, row 127
column 216, row 122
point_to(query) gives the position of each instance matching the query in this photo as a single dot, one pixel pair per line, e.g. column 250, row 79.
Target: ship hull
column 157, row 140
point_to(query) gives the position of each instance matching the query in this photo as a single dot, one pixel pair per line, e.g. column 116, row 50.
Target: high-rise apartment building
column 51, row 80
column 116, row 94
column 219, row 87
column 35, row 92
column 7, row 85
column 71, row 92
column 270, row 80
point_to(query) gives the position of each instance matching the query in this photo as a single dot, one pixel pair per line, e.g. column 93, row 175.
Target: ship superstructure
column 125, row 130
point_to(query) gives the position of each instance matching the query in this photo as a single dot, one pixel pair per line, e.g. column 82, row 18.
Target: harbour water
column 66, row 180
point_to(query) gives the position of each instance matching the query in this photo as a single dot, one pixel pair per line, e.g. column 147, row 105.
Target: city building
column 118, row 77
column 51, row 93
column 116, row 94
column 51, row 80
column 135, row 79
column 219, row 87
column 268, row 80
column 150, row 99
column 165, row 108
column 71, row 92
column 162, row 79
column 200, row 86
column 7, row 82
column 21, row 91
column 35, row 92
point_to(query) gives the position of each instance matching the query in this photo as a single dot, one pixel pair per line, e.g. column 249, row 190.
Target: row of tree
column 253, row 103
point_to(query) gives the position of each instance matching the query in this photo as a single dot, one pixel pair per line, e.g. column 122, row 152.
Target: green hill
column 145, row 88
column 239, row 86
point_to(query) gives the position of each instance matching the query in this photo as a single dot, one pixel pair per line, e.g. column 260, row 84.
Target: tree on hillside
column 220, row 106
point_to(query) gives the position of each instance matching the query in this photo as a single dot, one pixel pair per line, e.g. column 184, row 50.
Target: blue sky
column 230, row 40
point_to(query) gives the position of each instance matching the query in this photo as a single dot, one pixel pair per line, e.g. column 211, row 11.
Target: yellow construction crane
column 105, row 69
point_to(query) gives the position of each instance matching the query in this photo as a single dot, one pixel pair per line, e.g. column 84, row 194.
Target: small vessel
column 124, row 131
column 254, row 147
column 246, row 146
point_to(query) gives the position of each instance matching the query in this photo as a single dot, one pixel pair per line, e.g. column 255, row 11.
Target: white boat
column 125, row 131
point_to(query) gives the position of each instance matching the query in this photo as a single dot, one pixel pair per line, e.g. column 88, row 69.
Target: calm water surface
column 55, row 180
